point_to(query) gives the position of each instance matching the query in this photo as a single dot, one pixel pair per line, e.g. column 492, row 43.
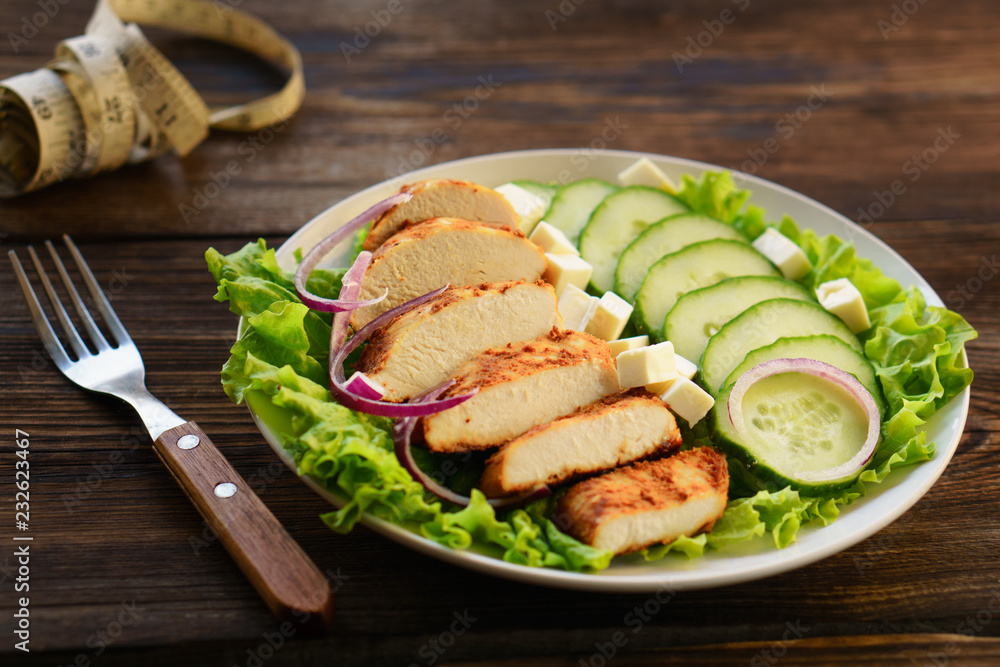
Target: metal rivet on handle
column 225, row 490
column 189, row 441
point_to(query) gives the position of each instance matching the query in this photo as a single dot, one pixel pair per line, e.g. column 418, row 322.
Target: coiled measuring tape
column 110, row 98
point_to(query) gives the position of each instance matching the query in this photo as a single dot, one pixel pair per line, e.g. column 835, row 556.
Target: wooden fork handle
column 290, row 583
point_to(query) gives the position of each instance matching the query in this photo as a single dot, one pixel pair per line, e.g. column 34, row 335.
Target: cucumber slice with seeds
column 572, row 207
column 698, row 265
column 797, row 425
column 616, row 222
column 823, row 347
column 763, row 324
column 699, row 314
column 665, row 237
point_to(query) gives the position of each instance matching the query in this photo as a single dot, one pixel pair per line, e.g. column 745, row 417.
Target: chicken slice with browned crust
column 445, row 251
column 424, row 347
column 521, row 386
column 647, row 503
column 442, row 198
column 615, row 430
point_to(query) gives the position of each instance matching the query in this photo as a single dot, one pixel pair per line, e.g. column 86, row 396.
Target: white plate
column 755, row 559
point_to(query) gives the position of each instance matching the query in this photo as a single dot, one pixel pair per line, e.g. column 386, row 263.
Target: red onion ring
column 402, row 433
column 349, row 290
column 361, row 385
column 828, row 372
column 338, row 385
column 320, row 250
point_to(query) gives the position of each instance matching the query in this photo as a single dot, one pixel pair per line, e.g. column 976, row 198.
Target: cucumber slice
column 616, row 222
column 797, row 424
column 824, row 347
column 572, row 206
column 664, row 237
column 698, row 265
column 763, row 324
column 699, row 314
column 543, row 190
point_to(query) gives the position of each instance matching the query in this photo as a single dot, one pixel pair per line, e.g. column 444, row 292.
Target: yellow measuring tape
column 110, row 98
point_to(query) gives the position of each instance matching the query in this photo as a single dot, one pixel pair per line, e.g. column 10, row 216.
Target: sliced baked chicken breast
column 426, row 346
column 442, row 198
column 522, row 385
column 615, row 430
column 647, row 503
column 444, row 251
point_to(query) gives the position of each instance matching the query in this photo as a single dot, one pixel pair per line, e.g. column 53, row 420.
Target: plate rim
column 605, row 581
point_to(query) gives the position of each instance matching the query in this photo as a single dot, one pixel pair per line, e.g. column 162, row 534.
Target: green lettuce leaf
column 715, row 194
column 277, row 334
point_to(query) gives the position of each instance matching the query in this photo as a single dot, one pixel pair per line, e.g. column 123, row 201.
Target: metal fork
column 289, row 582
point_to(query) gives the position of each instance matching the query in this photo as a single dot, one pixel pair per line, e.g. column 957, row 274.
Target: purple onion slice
column 320, row 250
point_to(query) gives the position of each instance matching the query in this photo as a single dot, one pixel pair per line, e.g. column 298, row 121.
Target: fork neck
column 155, row 414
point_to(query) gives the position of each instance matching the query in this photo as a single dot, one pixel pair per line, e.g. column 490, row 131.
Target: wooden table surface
column 122, row 572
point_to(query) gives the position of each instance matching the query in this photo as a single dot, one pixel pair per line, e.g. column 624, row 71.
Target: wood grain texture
column 288, row 581
column 125, row 571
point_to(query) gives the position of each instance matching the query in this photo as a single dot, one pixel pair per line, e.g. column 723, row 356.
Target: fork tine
column 45, row 331
column 101, row 301
column 81, row 309
column 67, row 325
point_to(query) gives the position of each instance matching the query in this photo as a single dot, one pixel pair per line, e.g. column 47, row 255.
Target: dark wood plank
column 273, row 648
column 119, row 550
column 888, row 100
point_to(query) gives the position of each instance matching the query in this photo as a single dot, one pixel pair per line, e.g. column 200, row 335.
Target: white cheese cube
column 529, row 207
column 660, row 387
column 647, row 365
column 565, row 270
column 577, row 308
column 844, row 300
column 551, row 239
column 644, row 172
column 685, row 369
column 687, row 400
column 783, row 253
column 625, row 344
column 610, row 318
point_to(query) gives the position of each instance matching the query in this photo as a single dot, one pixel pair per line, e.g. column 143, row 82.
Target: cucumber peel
column 799, row 422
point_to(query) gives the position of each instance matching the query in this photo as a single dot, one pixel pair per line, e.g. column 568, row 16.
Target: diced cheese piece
column 660, row 387
column 647, row 365
column 551, row 239
column 565, row 270
column 529, row 207
column 625, row 344
column 577, row 307
column 611, row 317
column 685, row 369
column 687, row 400
column 783, row 253
column 644, row 172
column 844, row 300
